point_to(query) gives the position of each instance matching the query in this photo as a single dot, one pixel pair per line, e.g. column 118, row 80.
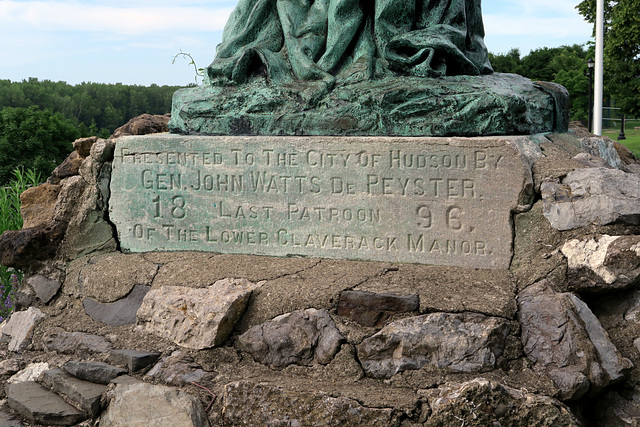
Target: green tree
column 36, row 139
column 107, row 105
column 565, row 65
column 509, row 62
column 621, row 50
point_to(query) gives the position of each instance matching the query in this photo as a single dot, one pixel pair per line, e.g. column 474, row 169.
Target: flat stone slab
column 56, row 339
column 86, row 395
column 133, row 359
column 20, row 328
column 121, row 312
column 41, row 406
column 444, row 201
column 95, row 372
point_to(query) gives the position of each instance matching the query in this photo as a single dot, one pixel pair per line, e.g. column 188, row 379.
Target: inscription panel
column 444, row 201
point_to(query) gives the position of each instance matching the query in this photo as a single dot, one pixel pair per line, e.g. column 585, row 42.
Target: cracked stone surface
column 112, row 277
column 178, row 369
column 57, row 339
column 84, row 394
column 95, row 372
column 133, row 359
column 302, row 337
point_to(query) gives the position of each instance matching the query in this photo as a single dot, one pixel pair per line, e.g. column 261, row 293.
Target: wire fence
column 612, row 119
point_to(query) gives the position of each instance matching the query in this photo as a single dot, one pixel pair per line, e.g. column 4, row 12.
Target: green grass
column 633, row 136
column 10, row 219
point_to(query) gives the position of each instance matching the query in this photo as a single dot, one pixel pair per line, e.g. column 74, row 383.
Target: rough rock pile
column 209, row 339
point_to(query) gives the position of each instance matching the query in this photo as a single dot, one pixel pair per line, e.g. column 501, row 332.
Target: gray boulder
column 177, row 369
column 602, row 148
column 462, row 342
column 302, row 337
column 602, row 262
column 143, row 405
column 44, row 287
column 565, row 341
column 592, row 196
column 195, row 318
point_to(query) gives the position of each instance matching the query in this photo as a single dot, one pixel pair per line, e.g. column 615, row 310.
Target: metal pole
column 621, row 135
column 598, row 91
column 590, row 118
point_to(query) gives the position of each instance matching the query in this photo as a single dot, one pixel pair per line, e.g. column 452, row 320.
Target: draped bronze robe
column 351, row 40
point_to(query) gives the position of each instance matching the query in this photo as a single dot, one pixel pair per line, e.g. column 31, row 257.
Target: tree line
column 565, row 65
column 100, row 107
column 40, row 119
column 621, row 50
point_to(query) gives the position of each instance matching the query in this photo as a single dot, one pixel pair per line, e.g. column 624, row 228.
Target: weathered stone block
column 602, row 262
column 195, row 318
column 371, row 309
column 441, row 201
column 121, row 312
column 83, row 145
column 465, row 342
column 303, row 337
column 564, row 339
column 37, row 205
column 64, row 342
column 142, row 405
column 20, row 327
column 30, row 373
column 457, row 404
column 177, row 369
column 95, row 372
column 597, row 196
column 133, row 359
column 44, row 287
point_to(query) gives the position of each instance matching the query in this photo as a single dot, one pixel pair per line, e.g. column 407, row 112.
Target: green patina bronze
column 352, row 67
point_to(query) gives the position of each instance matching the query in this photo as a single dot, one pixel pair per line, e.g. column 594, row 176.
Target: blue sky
column 133, row 42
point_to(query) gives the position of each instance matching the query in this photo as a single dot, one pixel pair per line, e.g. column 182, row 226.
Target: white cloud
column 39, row 16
